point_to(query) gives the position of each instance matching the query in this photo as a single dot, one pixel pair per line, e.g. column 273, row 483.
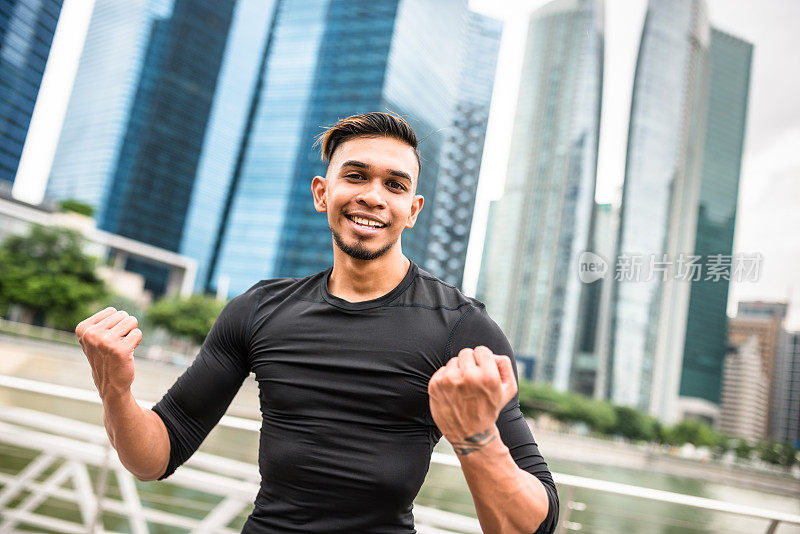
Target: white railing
column 77, row 448
column 80, row 445
column 39, row 333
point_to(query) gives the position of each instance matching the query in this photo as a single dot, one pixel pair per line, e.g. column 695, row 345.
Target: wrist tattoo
column 474, row 442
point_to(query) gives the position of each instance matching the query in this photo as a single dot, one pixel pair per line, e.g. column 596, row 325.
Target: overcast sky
column 768, row 216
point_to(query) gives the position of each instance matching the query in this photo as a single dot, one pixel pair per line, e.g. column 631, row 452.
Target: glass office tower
column 786, row 391
column 26, row 33
column 462, row 154
column 137, row 119
column 232, row 113
column 706, row 328
column 542, row 223
column 325, row 60
column 659, row 204
column 101, row 98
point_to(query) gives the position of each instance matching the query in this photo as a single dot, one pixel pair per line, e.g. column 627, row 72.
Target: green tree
column 536, row 399
column 787, row 455
column 601, row 416
column 190, row 317
column 743, row 449
column 695, row 432
column 49, row 275
column 723, row 445
column 597, row 415
column 633, row 424
column 567, row 407
column 770, row 452
column 76, row 206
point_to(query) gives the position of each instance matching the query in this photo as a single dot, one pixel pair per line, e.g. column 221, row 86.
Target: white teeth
column 366, row 222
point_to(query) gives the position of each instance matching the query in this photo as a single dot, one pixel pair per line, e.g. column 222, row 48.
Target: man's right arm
column 138, row 435
column 108, row 339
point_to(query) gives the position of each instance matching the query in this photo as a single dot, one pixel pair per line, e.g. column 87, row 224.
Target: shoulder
column 428, row 291
column 242, row 307
column 306, row 288
column 467, row 322
column 470, row 324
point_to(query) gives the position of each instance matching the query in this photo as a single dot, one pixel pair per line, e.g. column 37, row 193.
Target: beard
column 358, row 250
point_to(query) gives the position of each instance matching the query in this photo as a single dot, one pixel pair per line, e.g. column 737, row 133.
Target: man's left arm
column 474, row 403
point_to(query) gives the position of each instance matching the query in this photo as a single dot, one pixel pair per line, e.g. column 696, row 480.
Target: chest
column 369, row 368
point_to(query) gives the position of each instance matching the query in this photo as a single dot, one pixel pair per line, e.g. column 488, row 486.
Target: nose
column 371, row 194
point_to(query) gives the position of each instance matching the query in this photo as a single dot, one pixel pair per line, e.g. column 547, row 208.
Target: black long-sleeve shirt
column 347, row 432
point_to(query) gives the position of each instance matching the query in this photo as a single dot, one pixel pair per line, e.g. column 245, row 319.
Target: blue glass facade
column 327, row 59
column 706, row 328
column 451, row 215
column 102, row 96
column 348, row 79
column 247, row 244
column 136, row 124
column 152, row 185
column 229, row 123
column 422, row 78
column 26, row 33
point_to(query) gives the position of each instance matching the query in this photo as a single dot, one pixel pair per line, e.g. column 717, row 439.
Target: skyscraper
column 764, row 321
column 101, row 99
column 786, row 387
column 325, row 60
column 590, row 368
column 542, row 223
column 745, row 392
column 451, row 216
column 137, row 118
column 26, row 33
column 232, row 114
column 706, row 322
column 659, row 205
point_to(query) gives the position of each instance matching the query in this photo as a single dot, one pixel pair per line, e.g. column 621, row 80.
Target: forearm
column 507, row 499
column 138, row 435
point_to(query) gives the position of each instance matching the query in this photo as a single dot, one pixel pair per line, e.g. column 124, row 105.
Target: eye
column 394, row 184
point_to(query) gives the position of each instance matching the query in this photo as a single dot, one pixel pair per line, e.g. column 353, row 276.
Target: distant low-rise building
column 113, row 250
column 765, row 321
column 745, row 391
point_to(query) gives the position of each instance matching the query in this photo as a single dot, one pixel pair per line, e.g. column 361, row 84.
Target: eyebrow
column 367, row 166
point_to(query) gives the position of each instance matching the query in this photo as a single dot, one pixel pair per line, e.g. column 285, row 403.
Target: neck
column 359, row 280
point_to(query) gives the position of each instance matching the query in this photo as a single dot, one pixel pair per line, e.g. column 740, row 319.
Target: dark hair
column 374, row 124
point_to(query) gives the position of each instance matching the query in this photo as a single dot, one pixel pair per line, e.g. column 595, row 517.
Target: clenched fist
column 108, row 339
column 466, row 397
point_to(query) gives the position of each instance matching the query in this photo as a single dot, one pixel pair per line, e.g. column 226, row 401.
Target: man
column 361, row 369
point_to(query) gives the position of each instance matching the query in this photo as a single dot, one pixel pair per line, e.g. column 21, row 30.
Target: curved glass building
column 542, row 223
column 659, row 203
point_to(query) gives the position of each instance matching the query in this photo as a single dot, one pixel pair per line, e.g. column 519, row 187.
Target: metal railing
column 40, row 333
column 69, row 452
column 76, row 446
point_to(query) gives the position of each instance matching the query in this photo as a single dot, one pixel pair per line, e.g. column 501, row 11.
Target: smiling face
column 368, row 194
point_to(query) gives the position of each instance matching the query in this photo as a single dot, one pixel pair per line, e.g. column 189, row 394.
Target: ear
column 416, row 206
column 319, row 187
